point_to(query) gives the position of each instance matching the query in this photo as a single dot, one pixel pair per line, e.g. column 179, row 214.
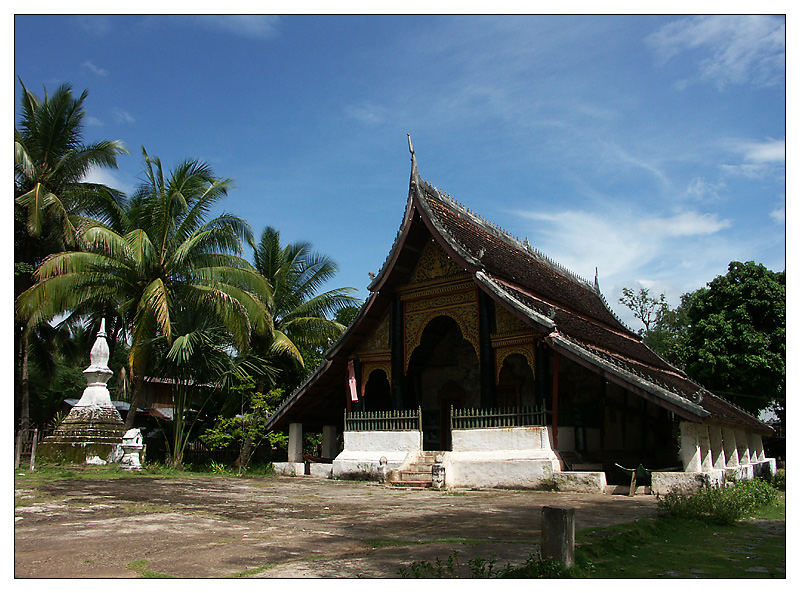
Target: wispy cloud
column 704, row 191
column 123, row 117
column 106, row 177
column 93, row 24
column 770, row 151
column 252, row 26
column 368, row 113
column 732, row 49
column 759, row 159
column 671, row 253
column 779, row 214
column 93, row 121
column 88, row 65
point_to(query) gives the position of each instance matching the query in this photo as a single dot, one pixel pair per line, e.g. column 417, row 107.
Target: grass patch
column 682, row 548
column 250, row 571
column 140, row 566
column 32, row 497
column 377, row 543
column 668, row 546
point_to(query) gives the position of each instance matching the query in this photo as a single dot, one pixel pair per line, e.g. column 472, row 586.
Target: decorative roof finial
column 596, row 281
column 414, row 172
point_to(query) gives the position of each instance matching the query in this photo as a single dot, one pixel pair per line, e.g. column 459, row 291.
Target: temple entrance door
column 377, row 392
column 443, row 371
column 450, row 395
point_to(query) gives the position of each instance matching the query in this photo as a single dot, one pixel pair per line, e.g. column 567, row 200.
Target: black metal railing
column 461, row 419
column 384, row 420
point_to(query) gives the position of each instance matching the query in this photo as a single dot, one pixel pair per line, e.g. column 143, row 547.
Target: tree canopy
column 729, row 336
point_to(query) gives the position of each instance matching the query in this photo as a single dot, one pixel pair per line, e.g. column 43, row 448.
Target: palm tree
column 301, row 319
column 51, row 195
column 163, row 259
column 51, row 163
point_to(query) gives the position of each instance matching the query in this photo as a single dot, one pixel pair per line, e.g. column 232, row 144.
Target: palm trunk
column 136, row 395
column 25, row 414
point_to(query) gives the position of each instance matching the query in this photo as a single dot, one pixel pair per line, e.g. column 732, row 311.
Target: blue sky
column 649, row 147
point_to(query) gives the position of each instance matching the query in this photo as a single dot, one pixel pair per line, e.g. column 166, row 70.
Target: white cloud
column 673, row 254
column 93, row 121
column 368, row 113
column 88, row 65
column 618, row 154
column 93, row 24
column 779, row 214
column 253, row 26
column 123, row 117
column 738, row 49
column 704, row 191
column 771, row 151
column 106, row 177
column 759, row 158
column 685, row 224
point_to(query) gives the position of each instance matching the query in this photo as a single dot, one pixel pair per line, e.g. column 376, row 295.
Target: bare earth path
column 280, row 527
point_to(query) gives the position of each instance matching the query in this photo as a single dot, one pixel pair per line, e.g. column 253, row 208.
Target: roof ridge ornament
column 414, row 171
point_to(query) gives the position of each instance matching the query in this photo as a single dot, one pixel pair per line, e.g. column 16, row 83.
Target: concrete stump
column 558, row 534
column 437, row 473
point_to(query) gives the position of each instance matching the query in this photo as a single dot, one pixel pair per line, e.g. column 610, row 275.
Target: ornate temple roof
column 568, row 310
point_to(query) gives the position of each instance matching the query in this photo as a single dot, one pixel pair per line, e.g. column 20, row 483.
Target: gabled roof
column 569, row 310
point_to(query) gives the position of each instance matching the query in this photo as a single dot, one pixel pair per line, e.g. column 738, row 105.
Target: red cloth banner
column 351, row 381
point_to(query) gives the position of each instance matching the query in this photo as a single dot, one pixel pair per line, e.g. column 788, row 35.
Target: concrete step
column 625, row 489
column 411, row 484
column 415, row 475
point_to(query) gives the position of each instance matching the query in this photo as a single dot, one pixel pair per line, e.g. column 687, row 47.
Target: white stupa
column 94, row 419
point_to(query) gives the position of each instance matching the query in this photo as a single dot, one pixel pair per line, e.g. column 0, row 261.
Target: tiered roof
column 567, row 309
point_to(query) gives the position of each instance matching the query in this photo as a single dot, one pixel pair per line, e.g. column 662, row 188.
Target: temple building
column 477, row 348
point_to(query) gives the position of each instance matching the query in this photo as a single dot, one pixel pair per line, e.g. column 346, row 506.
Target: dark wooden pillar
column 556, row 364
column 603, row 388
column 541, row 374
column 486, row 356
column 397, row 343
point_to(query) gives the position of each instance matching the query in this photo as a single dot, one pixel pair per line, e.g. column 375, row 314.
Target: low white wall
column 289, row 468
column 586, row 482
column 525, row 438
column 320, row 470
column 363, row 450
column 500, row 458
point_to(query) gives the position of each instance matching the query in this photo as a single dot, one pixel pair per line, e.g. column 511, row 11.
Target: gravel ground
column 279, row 527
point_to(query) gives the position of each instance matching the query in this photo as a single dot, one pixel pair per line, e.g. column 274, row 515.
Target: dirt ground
column 279, row 527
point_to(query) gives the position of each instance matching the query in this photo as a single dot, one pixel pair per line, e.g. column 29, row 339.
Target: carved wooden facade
column 439, row 287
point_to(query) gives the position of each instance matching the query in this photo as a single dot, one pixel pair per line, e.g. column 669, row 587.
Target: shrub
column 535, row 567
column 779, row 481
column 724, row 505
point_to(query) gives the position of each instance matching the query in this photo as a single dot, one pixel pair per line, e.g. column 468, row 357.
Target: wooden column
column 397, row 343
column 556, row 364
column 540, row 373
column 486, row 356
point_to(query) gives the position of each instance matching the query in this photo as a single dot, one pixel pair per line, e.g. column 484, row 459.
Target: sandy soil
column 279, row 527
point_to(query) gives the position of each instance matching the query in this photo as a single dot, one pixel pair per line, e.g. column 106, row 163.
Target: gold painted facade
column 438, row 286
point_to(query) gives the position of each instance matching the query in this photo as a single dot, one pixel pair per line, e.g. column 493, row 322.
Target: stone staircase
column 415, row 475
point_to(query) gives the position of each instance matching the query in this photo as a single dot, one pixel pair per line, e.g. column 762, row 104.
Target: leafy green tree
column 163, row 260
column 247, row 428
column 303, row 321
column 729, row 336
column 645, row 308
column 51, row 196
column 736, row 341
